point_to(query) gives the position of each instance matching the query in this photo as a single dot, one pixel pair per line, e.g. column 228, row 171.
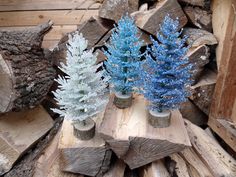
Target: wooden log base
column 122, row 101
column 159, row 119
column 91, row 157
column 134, row 140
column 84, row 131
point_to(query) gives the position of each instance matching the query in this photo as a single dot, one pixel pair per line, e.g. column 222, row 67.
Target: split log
column 48, row 163
column 90, row 157
column 217, row 159
column 198, row 57
column 202, row 92
column 201, row 3
column 181, row 169
column 25, row 74
column 18, row 132
column 116, row 170
column 93, row 31
column 100, row 56
column 114, row 10
column 155, row 169
column 197, row 37
column 150, row 20
column 222, row 117
column 195, row 164
column 199, row 17
column 130, row 136
column 191, row 112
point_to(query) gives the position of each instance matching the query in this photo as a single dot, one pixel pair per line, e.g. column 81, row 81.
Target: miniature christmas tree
column 123, row 57
column 166, row 72
column 81, row 93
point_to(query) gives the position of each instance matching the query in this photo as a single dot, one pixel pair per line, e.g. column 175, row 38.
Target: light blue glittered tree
column 82, row 93
column 165, row 73
column 123, row 56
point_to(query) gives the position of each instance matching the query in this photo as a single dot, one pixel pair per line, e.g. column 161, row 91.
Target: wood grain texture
column 116, row 170
column 155, row 169
column 224, row 98
column 48, row 163
column 32, row 18
column 199, row 17
column 134, row 140
column 217, row 159
column 18, row 131
column 222, row 14
column 201, row 3
column 197, row 37
column 149, row 20
column 198, row 57
column 90, row 157
column 115, row 9
column 195, row 164
column 202, row 92
column 181, row 168
column 225, row 129
column 25, row 5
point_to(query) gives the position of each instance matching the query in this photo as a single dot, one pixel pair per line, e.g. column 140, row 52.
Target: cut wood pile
column 124, row 144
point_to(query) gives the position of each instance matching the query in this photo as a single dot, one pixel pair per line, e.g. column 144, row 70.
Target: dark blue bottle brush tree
column 165, row 74
column 123, row 60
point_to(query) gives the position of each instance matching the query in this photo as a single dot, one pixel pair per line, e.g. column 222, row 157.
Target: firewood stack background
column 31, row 54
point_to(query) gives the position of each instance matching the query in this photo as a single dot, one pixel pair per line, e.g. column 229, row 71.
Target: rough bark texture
column 150, row 20
column 26, row 74
column 198, row 17
column 115, row 9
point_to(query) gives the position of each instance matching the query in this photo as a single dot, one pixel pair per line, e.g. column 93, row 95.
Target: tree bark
column 25, row 74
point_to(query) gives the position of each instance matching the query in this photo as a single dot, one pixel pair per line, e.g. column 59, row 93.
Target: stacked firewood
column 183, row 150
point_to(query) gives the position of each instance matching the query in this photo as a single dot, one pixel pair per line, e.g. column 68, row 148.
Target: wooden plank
column 224, row 129
column 56, row 32
column 224, row 99
column 222, row 10
column 134, row 140
column 48, row 163
column 19, row 131
column 32, row 18
column 219, row 162
column 24, row 5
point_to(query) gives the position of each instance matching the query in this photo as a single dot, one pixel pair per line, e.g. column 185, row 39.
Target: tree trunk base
column 159, row 119
column 122, row 101
column 84, row 131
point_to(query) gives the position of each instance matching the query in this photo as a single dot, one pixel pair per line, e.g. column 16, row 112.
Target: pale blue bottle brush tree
column 82, row 92
column 165, row 74
column 123, row 56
